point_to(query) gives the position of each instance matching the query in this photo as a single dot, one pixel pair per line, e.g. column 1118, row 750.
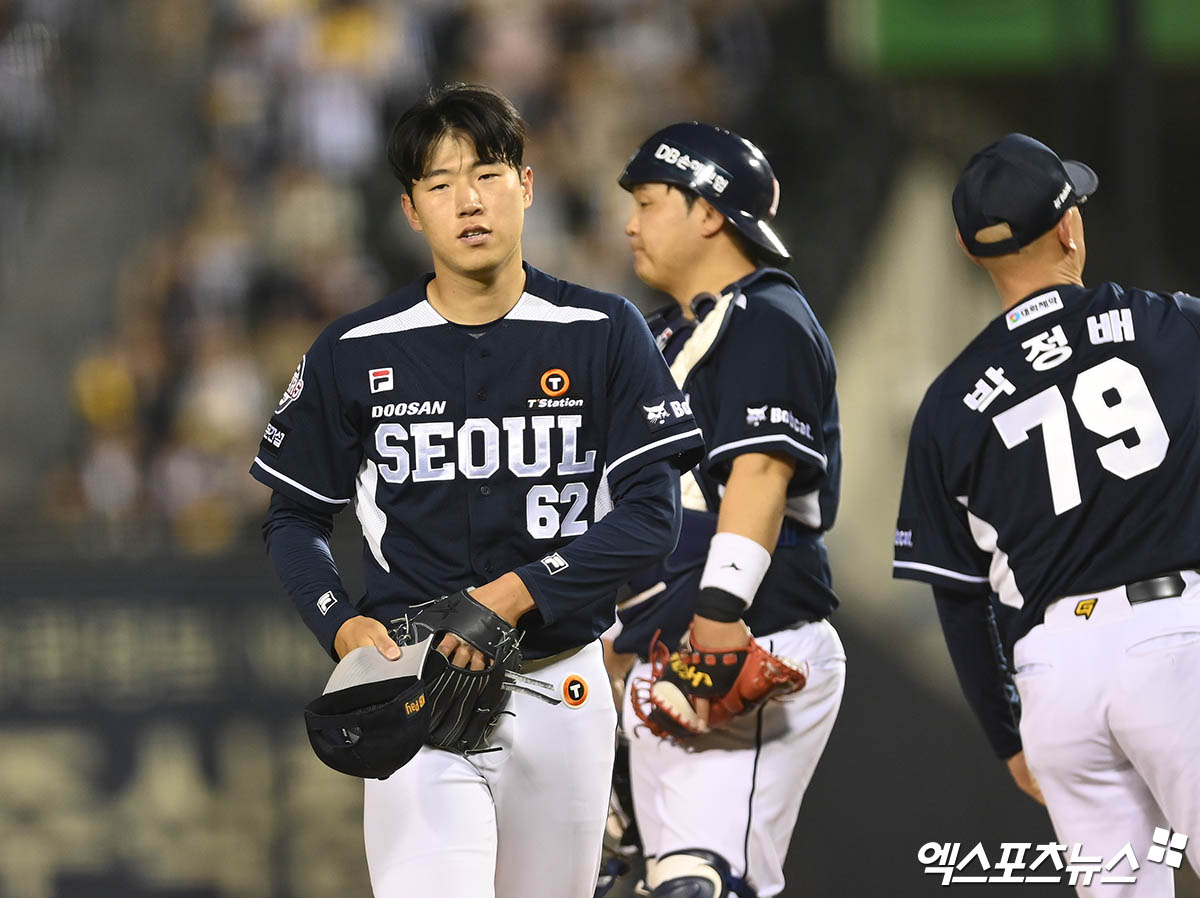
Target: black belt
column 1168, row 586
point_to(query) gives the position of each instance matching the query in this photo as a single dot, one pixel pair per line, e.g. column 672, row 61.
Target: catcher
column 749, row 698
column 489, row 425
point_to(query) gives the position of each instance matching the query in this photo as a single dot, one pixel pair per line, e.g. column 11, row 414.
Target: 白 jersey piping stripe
column 299, row 486
column 953, row 575
column 770, row 438
column 527, row 308
column 420, row 315
column 534, row 308
column 628, row 455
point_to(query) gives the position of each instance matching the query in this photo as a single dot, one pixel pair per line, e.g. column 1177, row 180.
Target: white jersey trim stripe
column 534, row 308
column 370, row 515
column 298, row 485
column 1000, row 573
column 770, row 438
column 929, row 568
column 628, row 455
column 418, row 316
column 527, row 308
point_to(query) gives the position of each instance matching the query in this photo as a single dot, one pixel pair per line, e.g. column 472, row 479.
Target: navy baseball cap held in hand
column 372, row 717
column 1019, row 182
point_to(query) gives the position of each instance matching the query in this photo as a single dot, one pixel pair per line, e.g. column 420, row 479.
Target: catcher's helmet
column 728, row 171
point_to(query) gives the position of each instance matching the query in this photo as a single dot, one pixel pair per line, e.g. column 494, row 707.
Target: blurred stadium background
column 190, row 189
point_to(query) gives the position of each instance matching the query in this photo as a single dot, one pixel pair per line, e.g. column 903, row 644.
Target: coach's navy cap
column 372, row 717
column 1019, row 182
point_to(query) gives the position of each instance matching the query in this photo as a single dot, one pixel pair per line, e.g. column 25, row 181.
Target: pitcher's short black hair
column 478, row 113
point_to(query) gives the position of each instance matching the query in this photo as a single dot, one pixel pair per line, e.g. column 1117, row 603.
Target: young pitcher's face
column 471, row 212
column 665, row 235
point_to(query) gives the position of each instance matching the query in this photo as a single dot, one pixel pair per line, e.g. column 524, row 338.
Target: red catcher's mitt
column 735, row 682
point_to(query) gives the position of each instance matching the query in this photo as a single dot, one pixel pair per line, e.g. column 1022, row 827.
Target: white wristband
column 736, row 564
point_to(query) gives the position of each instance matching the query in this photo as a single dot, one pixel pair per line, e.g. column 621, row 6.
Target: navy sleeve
column 649, row 418
column 641, row 528
column 311, row 451
column 933, row 531
column 973, row 638
column 775, row 381
column 1190, row 307
column 297, row 539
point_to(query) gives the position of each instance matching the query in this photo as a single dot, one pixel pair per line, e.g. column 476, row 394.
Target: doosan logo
column 398, row 409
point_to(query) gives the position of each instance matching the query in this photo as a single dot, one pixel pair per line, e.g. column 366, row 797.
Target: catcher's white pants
column 524, row 821
column 1110, row 721
column 737, row 791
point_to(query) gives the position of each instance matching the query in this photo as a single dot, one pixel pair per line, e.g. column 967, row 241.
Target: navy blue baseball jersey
column 759, row 376
column 469, row 451
column 1057, row 454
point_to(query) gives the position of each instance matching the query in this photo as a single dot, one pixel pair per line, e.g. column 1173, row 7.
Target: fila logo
column 381, row 379
column 555, row 563
column 326, row 602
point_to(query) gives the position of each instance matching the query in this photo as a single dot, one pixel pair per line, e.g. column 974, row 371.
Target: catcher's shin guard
column 612, row 870
column 694, row 873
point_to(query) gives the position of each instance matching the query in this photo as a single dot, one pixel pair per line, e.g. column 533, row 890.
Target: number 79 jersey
column 1058, row 454
column 467, row 452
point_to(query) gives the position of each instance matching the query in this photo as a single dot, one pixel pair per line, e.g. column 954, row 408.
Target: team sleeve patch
column 273, row 437
column 666, row 411
column 777, row 417
column 294, row 388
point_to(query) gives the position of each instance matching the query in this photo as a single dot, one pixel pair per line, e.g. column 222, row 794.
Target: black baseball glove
column 464, row 704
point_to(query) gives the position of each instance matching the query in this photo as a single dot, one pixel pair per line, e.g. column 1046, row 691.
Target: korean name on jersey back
column 1050, row 438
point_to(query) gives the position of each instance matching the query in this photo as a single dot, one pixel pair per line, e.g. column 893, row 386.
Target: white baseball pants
column 1110, row 722
column 737, row 791
column 522, row 821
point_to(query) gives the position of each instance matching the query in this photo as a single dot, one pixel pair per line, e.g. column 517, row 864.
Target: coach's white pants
column 524, row 821
column 737, row 791
column 1110, row 722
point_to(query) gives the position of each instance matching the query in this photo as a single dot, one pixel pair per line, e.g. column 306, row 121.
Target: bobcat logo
column 656, row 414
column 756, row 416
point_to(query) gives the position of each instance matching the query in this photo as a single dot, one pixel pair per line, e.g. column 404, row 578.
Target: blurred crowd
column 295, row 219
column 46, row 48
